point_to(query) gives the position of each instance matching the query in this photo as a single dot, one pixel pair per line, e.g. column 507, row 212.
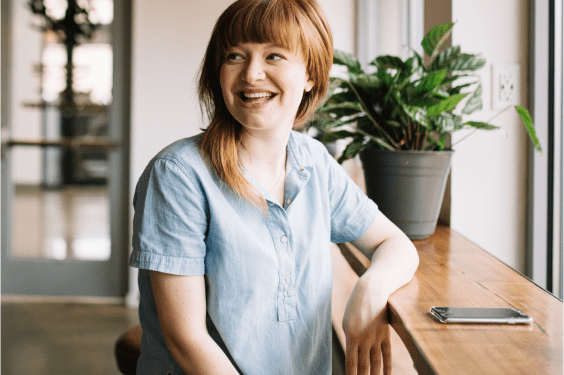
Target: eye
column 233, row 57
column 275, row 57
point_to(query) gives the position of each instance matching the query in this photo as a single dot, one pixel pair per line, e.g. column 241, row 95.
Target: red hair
column 291, row 24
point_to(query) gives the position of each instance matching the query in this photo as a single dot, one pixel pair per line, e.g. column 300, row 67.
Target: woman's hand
column 367, row 331
column 394, row 260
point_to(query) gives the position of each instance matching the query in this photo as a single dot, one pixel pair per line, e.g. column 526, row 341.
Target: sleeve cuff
column 360, row 226
column 172, row 265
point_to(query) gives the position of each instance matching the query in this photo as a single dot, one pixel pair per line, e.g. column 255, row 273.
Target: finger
column 351, row 359
column 387, row 356
column 363, row 361
column 375, row 361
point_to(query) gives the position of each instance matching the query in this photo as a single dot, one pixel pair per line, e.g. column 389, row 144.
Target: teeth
column 257, row 95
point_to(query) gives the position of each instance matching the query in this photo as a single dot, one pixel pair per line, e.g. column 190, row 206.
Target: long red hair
column 291, row 24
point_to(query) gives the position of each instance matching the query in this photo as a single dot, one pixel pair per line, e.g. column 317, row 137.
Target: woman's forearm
column 393, row 265
column 202, row 356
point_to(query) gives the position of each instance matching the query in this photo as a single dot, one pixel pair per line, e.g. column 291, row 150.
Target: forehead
column 253, row 46
column 274, row 23
column 277, row 39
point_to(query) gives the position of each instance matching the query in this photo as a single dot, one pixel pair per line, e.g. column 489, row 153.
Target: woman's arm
column 394, row 261
column 181, row 307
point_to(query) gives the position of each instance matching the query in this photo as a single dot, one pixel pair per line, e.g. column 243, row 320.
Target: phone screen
column 479, row 314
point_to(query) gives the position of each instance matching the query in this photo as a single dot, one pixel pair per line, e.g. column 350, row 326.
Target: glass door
column 62, row 150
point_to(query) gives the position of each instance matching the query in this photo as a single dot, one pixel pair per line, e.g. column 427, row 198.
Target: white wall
column 169, row 41
column 389, row 28
column 490, row 168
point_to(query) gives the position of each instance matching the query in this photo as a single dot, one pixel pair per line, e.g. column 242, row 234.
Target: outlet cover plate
column 506, row 85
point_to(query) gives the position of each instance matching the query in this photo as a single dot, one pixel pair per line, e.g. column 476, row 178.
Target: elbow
column 415, row 260
column 185, row 350
column 413, row 256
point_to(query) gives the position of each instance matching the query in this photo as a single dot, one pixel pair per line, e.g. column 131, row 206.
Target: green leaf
column 419, row 60
column 440, row 93
column 458, row 123
column 367, row 82
column 424, row 101
column 393, row 124
column 456, row 89
column 481, row 125
column 431, row 81
column 445, row 58
column 410, row 66
column 354, row 106
column 322, row 121
column 348, row 60
column 474, row 103
column 528, row 122
column 336, row 83
column 382, row 143
column 467, row 62
column 388, row 62
column 384, row 76
column 341, row 97
column 444, row 123
column 445, row 105
column 437, row 144
column 451, row 79
column 336, row 135
column 417, row 114
column 351, row 150
column 435, row 38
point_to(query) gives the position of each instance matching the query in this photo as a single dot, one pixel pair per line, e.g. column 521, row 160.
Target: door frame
column 113, row 272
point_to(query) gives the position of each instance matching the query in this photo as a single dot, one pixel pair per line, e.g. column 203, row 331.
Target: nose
column 253, row 71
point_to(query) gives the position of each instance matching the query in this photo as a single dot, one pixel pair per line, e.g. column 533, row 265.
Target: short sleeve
column 170, row 221
column 352, row 212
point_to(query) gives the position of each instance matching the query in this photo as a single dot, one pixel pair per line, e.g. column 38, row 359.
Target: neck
column 264, row 157
column 264, row 150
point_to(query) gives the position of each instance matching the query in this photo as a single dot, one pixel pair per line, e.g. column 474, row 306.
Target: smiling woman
column 297, row 29
column 232, row 227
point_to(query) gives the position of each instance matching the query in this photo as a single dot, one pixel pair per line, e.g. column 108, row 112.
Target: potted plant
column 398, row 118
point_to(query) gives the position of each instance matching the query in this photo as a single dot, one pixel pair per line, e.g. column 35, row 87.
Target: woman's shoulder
column 309, row 150
column 182, row 156
column 312, row 145
column 184, row 150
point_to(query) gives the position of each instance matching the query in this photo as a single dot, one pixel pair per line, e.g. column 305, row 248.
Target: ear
column 309, row 85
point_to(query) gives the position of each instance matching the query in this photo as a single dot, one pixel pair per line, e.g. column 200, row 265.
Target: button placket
column 279, row 226
column 286, row 297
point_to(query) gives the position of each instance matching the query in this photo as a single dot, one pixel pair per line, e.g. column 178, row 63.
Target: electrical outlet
column 506, row 85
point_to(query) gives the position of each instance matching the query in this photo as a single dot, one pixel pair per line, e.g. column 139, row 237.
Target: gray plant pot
column 408, row 187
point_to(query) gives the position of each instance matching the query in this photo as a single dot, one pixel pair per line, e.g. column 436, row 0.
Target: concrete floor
column 62, row 338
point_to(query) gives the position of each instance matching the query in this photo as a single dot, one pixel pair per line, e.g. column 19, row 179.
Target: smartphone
column 480, row 315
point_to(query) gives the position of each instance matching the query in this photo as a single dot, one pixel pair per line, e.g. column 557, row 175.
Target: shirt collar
column 298, row 156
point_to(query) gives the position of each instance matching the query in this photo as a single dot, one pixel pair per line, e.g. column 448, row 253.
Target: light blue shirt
column 268, row 277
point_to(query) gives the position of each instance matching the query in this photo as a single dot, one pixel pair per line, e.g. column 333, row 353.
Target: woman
column 232, row 227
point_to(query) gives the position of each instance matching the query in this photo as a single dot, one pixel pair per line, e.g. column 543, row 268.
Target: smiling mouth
column 256, row 97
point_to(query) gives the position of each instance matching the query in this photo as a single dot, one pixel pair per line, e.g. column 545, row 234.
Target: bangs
column 258, row 21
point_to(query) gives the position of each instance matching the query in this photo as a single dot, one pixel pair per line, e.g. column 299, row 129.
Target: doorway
column 65, row 167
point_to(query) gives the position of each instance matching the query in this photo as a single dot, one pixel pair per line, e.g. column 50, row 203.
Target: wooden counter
column 455, row 272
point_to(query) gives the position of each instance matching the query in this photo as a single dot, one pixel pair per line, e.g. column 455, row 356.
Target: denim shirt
column 268, row 277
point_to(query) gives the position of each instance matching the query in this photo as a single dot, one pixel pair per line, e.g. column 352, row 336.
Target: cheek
column 225, row 81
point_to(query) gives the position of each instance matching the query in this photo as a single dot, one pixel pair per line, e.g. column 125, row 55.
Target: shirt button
column 287, row 277
column 301, row 169
column 288, row 201
column 284, row 239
